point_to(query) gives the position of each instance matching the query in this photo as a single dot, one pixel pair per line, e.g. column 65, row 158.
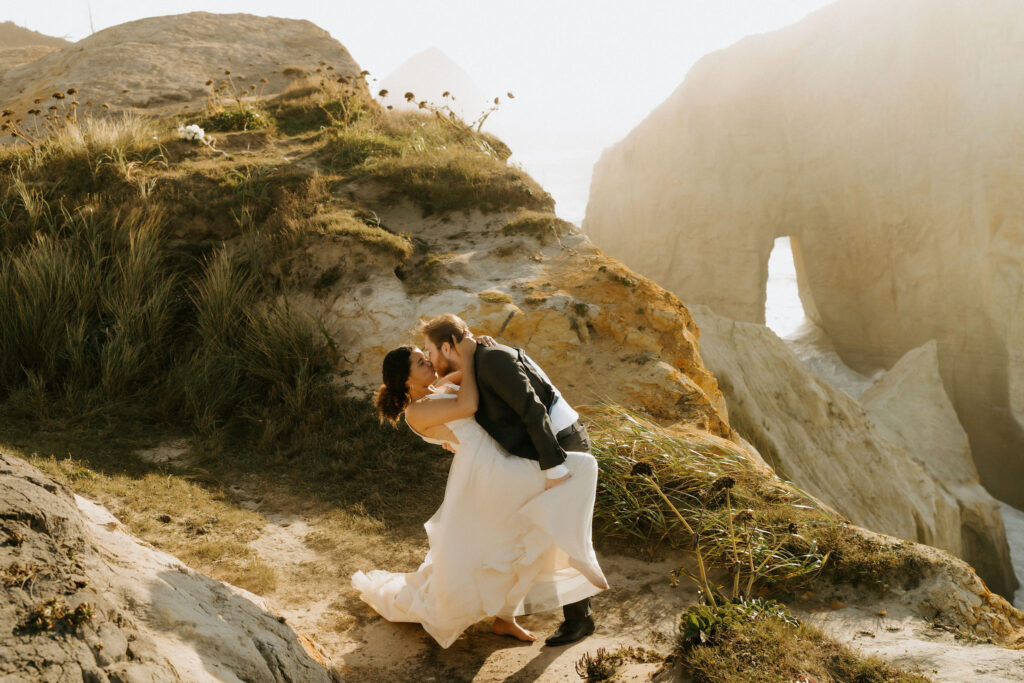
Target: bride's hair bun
column 392, row 396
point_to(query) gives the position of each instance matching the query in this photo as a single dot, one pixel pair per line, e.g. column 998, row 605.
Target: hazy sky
column 584, row 73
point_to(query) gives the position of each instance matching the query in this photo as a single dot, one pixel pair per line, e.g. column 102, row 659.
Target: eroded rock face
column 874, row 465
column 153, row 618
column 599, row 330
column 883, row 138
column 163, row 62
column 910, row 407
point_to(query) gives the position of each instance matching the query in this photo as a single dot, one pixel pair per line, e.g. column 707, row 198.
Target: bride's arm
column 450, row 378
column 422, row 415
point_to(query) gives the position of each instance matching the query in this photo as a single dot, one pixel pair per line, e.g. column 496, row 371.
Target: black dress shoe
column 571, row 631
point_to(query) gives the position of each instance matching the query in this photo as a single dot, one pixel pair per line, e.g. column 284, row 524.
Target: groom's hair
column 446, row 327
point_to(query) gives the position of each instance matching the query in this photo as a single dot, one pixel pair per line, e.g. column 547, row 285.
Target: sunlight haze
column 583, row 73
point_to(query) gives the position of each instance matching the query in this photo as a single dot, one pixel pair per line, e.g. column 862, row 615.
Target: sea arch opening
column 786, row 295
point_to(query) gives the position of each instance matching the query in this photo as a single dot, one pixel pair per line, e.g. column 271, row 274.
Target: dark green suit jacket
column 514, row 404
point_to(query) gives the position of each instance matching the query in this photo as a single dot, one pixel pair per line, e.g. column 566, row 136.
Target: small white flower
column 191, row 132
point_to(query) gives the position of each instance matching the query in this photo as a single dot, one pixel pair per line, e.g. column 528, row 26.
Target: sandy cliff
column 897, row 462
column 628, row 339
column 882, row 137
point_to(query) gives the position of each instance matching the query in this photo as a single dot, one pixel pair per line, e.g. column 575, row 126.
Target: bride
column 500, row 544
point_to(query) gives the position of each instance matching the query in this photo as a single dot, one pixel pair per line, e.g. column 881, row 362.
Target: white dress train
column 500, row 545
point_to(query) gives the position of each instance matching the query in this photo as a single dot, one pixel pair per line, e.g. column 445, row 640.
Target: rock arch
column 886, row 138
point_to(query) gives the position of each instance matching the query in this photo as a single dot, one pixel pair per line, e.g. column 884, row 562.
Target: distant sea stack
column 12, row 35
column 19, row 45
column 164, row 62
column 884, row 138
column 428, row 75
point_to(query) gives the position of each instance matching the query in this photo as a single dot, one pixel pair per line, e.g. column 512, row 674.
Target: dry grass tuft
column 347, row 223
column 494, row 296
column 663, row 488
column 459, row 179
column 538, row 224
column 758, row 640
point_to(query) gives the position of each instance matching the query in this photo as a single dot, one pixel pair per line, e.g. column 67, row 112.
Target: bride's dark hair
column 393, row 396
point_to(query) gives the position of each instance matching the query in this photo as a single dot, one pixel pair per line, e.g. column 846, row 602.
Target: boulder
column 881, row 137
column 910, row 407
column 150, row 617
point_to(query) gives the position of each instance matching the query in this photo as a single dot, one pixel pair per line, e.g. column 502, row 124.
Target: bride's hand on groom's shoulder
column 467, row 347
column 485, row 340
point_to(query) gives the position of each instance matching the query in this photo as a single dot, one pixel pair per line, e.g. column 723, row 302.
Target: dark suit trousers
column 575, row 438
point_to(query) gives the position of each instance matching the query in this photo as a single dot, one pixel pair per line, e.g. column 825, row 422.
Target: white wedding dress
column 500, row 545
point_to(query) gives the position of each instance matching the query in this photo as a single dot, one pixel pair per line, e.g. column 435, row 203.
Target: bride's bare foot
column 504, row 627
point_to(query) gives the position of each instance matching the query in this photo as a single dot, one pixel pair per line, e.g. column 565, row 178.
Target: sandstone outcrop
column 600, row 331
column 901, row 466
column 152, row 618
column 910, row 407
column 164, row 62
column 882, row 138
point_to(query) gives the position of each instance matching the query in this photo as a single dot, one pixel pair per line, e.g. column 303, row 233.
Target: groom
column 525, row 413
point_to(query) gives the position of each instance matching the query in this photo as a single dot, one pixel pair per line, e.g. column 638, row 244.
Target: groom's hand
column 550, row 483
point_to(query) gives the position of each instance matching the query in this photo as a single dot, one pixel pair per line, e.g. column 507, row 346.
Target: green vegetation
column 459, row 179
column 603, row 665
column 757, row 640
column 353, row 146
column 538, row 224
column 494, row 296
column 226, row 107
column 151, row 282
column 315, row 104
column 99, row 314
column 367, row 232
column 244, row 118
column 666, row 488
column 662, row 488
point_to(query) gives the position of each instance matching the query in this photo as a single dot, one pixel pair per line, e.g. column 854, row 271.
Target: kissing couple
column 513, row 533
